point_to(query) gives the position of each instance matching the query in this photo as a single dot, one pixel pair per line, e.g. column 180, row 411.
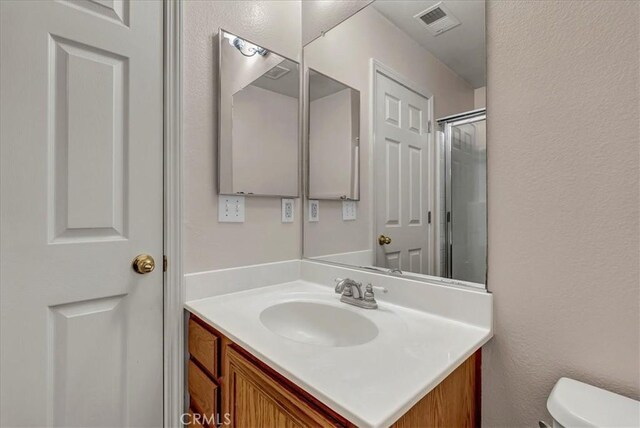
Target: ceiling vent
column 277, row 72
column 438, row 19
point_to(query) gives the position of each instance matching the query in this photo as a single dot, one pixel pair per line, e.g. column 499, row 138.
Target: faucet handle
column 369, row 295
column 379, row 288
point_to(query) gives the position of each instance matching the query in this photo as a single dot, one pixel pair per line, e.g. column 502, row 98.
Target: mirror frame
column 218, row 146
column 355, row 178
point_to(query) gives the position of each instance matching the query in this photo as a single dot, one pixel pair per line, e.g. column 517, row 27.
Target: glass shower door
column 466, row 197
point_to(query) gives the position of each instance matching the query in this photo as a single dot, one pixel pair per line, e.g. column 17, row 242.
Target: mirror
column 259, row 103
column 334, row 137
column 419, row 67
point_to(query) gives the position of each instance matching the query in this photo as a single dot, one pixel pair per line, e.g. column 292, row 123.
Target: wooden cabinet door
column 255, row 400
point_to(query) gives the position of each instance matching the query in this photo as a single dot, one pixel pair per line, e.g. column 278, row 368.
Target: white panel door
column 81, row 196
column 401, row 153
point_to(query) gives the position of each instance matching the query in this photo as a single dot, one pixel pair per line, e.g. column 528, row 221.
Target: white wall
column 262, row 238
column 364, row 36
column 563, row 195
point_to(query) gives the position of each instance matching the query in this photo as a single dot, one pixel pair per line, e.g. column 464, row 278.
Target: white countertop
column 372, row 384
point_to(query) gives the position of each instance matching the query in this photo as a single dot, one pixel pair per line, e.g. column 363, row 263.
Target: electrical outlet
column 314, row 210
column 287, row 210
column 348, row 210
column 230, row 209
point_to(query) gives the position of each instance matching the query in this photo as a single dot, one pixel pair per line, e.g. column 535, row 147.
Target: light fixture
column 245, row 48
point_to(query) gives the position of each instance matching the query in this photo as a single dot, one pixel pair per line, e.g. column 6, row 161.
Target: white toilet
column 576, row 404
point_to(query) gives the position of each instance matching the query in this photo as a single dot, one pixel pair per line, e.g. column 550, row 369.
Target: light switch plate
column 348, row 210
column 287, row 210
column 230, row 209
column 314, row 210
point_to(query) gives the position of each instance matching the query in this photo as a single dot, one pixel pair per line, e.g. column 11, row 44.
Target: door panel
column 81, row 196
column 402, row 171
column 87, row 112
column 101, row 322
column 393, row 178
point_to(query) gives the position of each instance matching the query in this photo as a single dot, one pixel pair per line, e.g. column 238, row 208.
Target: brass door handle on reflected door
column 384, row 240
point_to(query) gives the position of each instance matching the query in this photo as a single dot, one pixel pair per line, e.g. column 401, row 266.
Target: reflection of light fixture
column 246, row 48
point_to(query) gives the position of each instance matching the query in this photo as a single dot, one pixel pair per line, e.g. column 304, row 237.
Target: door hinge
column 165, row 263
column 429, row 217
column 429, row 127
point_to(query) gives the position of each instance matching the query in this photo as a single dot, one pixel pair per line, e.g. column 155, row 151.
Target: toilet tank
column 576, row 404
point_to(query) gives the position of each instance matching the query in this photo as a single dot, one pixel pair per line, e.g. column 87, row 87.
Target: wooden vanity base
column 222, row 375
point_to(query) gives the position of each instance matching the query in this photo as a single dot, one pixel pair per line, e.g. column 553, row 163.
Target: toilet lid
column 577, row 404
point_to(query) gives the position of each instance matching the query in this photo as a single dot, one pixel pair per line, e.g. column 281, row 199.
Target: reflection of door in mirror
column 402, row 177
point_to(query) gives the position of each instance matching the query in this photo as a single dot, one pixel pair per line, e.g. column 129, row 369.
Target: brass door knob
column 384, row 240
column 143, row 263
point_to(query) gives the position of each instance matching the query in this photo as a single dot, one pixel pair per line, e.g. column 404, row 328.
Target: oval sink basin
column 318, row 324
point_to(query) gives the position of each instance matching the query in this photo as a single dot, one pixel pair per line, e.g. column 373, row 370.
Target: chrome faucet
column 364, row 300
column 341, row 284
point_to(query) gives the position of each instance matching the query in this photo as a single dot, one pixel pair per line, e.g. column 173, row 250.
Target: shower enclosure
column 463, row 190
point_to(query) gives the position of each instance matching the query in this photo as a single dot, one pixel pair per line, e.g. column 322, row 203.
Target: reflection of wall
column 262, row 238
column 265, row 142
column 330, row 144
column 344, row 53
column 563, row 196
column 480, row 98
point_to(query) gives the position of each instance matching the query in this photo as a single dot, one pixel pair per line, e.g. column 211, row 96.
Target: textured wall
column 321, row 15
column 262, row 238
column 563, row 138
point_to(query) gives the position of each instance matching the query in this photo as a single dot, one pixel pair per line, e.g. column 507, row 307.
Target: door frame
column 173, row 321
column 379, row 67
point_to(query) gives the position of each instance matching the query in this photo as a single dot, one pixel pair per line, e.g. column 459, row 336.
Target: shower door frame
column 448, row 122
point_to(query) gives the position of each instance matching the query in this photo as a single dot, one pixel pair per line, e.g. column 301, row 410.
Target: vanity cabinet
column 256, row 399
column 231, row 387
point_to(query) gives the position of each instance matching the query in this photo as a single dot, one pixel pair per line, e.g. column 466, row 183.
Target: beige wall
column 364, row 36
column 262, row 238
column 563, row 138
column 321, row 15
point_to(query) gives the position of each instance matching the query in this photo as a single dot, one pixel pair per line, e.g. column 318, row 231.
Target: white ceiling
column 462, row 48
